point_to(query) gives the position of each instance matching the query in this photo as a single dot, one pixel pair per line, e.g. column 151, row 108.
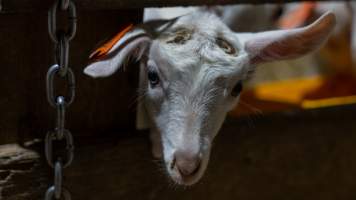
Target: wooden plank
column 40, row 5
column 306, row 155
column 24, row 168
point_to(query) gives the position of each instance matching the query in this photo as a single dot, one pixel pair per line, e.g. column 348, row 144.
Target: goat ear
column 113, row 54
column 288, row 44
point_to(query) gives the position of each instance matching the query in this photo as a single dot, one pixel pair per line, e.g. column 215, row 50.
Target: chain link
column 58, row 179
column 62, row 53
column 50, row 194
column 61, row 111
column 52, row 71
column 64, row 4
column 52, row 21
column 61, row 70
column 50, row 137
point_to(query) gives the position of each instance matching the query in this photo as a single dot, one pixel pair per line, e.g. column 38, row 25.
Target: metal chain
column 61, row 39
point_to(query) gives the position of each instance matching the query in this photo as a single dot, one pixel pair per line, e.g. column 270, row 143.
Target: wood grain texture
column 308, row 155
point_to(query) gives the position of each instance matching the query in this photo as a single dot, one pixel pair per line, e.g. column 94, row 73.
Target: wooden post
column 39, row 5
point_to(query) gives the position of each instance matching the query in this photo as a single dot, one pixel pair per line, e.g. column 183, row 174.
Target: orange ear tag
column 297, row 17
column 102, row 51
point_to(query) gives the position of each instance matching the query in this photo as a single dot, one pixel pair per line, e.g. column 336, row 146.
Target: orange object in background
column 340, row 78
column 292, row 94
column 297, row 17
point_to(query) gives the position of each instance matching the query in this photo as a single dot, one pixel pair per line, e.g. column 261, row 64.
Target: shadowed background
column 290, row 155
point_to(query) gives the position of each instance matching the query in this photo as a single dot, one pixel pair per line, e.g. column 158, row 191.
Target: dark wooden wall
column 27, row 53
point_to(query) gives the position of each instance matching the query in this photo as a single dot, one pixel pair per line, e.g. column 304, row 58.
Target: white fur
column 187, row 108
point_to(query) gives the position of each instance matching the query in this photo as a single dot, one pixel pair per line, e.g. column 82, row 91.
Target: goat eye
column 237, row 89
column 226, row 46
column 153, row 78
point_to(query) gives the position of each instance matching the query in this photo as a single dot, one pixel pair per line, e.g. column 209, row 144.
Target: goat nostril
column 183, row 172
column 173, row 163
column 197, row 167
column 186, row 163
column 188, row 168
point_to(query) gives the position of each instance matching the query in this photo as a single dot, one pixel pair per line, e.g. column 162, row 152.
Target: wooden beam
column 40, row 5
column 306, row 155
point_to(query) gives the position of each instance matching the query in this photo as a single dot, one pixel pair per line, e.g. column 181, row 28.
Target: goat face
column 192, row 73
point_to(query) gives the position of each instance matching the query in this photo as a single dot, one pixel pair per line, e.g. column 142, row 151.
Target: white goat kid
column 192, row 68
